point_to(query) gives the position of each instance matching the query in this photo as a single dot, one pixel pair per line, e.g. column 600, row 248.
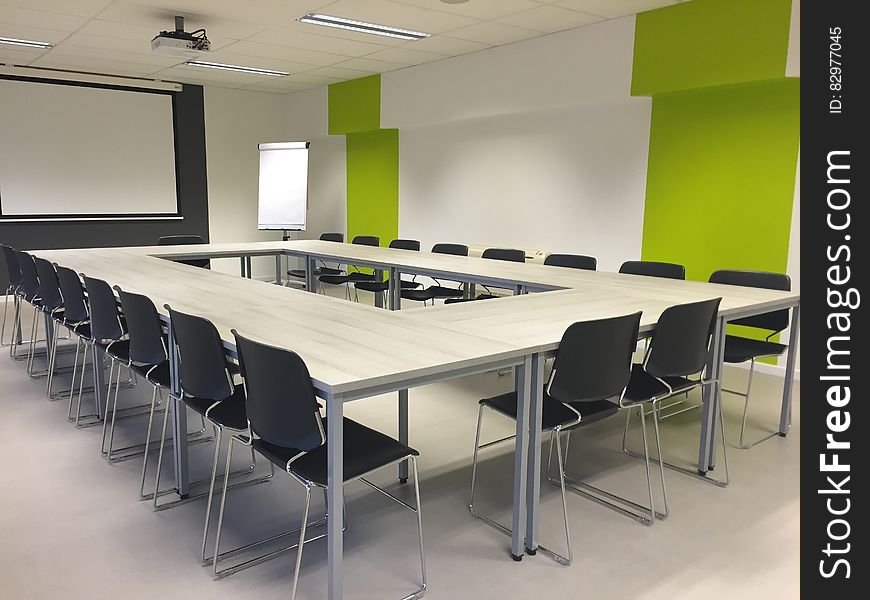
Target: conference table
column 355, row 351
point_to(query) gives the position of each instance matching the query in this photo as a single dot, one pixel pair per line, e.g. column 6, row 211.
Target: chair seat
column 643, row 387
column 365, row 450
column 480, row 297
column 82, row 330
column 334, row 279
column 431, row 292
column 157, row 375
column 355, row 276
column 383, row 286
column 300, row 273
column 119, row 350
column 555, row 413
column 740, row 349
column 226, row 413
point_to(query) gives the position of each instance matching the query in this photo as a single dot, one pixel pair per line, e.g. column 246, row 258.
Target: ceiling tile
column 384, row 12
column 37, row 18
column 441, row 44
column 339, row 73
column 313, row 79
column 28, row 32
column 208, row 75
column 82, row 52
column 285, row 53
column 493, row 34
column 259, row 62
column 19, row 55
column 371, row 65
column 310, row 37
column 267, row 12
column 405, row 55
column 96, row 65
column 548, row 19
column 80, row 8
column 477, row 9
column 613, row 8
column 159, row 19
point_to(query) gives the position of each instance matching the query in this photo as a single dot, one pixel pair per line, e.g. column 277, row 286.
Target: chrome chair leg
column 72, row 384
column 302, row 529
column 5, row 309
column 656, row 411
column 52, row 360
column 564, row 498
column 108, row 399
column 81, row 385
column 142, row 494
column 208, row 504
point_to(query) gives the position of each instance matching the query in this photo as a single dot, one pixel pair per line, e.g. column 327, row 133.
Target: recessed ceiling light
column 237, row 68
column 26, row 43
column 363, row 27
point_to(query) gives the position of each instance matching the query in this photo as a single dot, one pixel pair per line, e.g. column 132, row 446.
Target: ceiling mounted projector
column 179, row 43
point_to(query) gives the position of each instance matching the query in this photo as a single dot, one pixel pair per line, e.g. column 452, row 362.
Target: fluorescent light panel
column 362, row 27
column 26, row 43
column 237, row 68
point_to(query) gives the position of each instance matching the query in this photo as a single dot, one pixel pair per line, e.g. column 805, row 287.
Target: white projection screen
column 68, row 150
column 283, row 198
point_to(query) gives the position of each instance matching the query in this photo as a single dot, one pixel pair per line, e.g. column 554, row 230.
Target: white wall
column 536, row 144
column 236, row 121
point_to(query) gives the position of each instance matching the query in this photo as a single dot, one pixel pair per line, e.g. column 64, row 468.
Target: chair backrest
column 774, row 321
column 75, row 309
column 455, row 249
column 49, row 287
column 367, row 240
column 13, row 271
column 144, row 328
column 332, row 237
column 203, row 363
column 280, row 402
column 572, row 261
column 179, row 240
column 405, row 244
column 652, row 268
column 508, row 254
column 681, row 341
column 185, row 240
column 105, row 320
column 594, row 359
column 29, row 277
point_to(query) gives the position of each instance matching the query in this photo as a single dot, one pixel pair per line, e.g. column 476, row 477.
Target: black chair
column 51, row 305
column 77, row 320
column 322, row 269
column 589, row 377
column 13, row 277
column 353, row 273
column 108, row 333
column 207, row 388
column 572, row 261
column 739, row 349
column 286, row 427
column 381, row 287
column 676, row 362
column 28, row 291
column 506, row 254
column 653, row 269
column 184, row 240
column 438, row 290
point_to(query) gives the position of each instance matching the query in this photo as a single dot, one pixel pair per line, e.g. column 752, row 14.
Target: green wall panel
column 709, row 43
column 355, row 105
column 373, row 184
column 721, row 177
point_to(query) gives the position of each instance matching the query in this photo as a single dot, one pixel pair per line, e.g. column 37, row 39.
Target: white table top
column 352, row 347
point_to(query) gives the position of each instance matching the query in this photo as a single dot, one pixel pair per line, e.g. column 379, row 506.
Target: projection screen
column 68, row 150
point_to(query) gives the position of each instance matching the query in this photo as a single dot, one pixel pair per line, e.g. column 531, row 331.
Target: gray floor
column 71, row 525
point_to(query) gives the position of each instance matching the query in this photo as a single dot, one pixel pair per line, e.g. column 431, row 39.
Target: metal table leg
column 179, row 422
column 395, row 289
column 710, row 400
column 335, row 495
column 788, row 383
column 403, row 432
column 248, row 267
column 533, row 483
column 278, row 270
column 242, row 266
column 379, row 298
column 310, row 267
column 518, row 524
